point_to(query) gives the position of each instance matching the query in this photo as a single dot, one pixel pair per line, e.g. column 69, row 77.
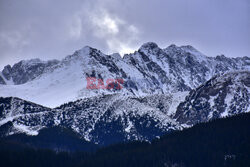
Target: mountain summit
column 150, row 70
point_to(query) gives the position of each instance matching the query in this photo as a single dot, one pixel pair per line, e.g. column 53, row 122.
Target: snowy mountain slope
column 111, row 118
column 104, row 119
column 150, row 70
column 107, row 119
column 222, row 96
column 27, row 117
column 65, row 81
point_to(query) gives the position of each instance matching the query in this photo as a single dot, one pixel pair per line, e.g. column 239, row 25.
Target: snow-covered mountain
column 151, row 102
column 102, row 119
column 107, row 119
column 113, row 118
column 150, row 70
column 26, row 117
column 221, row 96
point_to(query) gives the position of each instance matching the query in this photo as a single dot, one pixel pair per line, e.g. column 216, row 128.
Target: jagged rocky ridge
column 155, row 82
column 150, row 70
column 25, row 71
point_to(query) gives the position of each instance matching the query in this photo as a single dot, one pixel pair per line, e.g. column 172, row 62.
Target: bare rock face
column 7, row 72
column 2, row 81
column 25, row 71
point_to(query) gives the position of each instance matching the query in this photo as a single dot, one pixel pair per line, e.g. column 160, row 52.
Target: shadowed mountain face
column 223, row 142
column 103, row 120
column 221, row 96
column 54, row 138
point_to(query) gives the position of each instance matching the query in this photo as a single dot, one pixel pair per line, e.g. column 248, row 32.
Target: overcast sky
column 52, row 29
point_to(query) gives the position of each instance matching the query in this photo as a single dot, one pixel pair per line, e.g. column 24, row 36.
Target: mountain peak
column 31, row 61
column 172, row 46
column 83, row 52
column 188, row 47
column 149, row 45
column 116, row 55
column 86, row 49
column 184, row 47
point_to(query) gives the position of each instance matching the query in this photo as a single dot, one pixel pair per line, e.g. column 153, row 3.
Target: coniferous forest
column 219, row 143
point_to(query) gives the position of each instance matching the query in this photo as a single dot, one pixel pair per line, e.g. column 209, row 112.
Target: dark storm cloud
column 55, row 28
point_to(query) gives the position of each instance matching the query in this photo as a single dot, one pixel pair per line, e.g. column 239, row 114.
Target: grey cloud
column 53, row 29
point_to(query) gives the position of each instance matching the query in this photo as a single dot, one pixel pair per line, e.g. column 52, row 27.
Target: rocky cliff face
column 221, row 96
column 25, row 71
